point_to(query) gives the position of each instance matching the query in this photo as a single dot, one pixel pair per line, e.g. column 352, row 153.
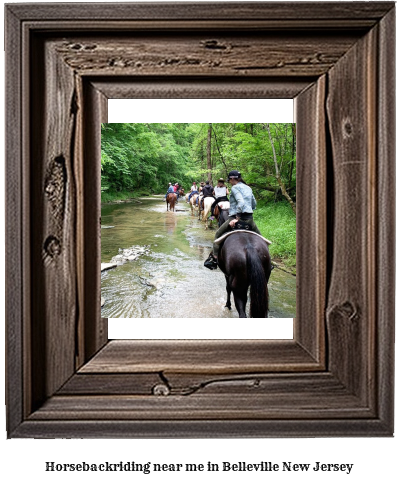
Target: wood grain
column 200, row 356
column 202, row 407
column 53, row 211
column 385, row 245
column 241, row 55
column 64, row 62
column 311, row 219
column 175, row 87
column 352, row 126
column 95, row 330
column 14, row 205
column 185, row 384
column 250, row 428
column 247, row 11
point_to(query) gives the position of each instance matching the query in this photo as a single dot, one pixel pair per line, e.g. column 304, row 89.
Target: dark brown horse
column 221, row 215
column 181, row 192
column 245, row 261
column 171, row 199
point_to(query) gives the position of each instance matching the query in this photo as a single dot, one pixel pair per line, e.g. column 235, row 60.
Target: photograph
column 179, row 200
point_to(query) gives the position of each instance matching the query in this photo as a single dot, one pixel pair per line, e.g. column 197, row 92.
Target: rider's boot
column 211, row 262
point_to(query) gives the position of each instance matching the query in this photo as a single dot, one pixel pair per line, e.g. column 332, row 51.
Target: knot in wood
column 213, row 44
column 347, row 128
column 50, row 188
column 349, row 310
column 90, row 47
column 161, row 390
column 52, row 246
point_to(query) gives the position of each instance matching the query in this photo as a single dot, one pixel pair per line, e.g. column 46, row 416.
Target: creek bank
column 279, row 263
column 126, row 255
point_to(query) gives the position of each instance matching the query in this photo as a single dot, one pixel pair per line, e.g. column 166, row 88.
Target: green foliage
column 136, row 156
column 151, row 155
column 277, row 222
column 142, row 158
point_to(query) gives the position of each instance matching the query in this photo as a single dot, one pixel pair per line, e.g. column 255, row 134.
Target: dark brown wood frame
column 65, row 379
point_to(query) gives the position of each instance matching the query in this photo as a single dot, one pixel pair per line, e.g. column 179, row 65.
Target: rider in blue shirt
column 171, row 189
column 242, row 205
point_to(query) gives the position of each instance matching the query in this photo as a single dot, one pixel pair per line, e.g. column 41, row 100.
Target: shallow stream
column 169, row 279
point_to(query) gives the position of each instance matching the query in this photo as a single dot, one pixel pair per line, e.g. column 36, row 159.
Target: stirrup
column 211, row 263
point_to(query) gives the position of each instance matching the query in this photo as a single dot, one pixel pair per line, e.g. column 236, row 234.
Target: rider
column 220, row 192
column 170, row 190
column 242, row 205
column 193, row 190
column 201, row 189
column 207, row 192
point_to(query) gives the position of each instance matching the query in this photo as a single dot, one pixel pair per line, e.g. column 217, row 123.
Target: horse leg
column 240, row 305
column 228, row 289
column 240, row 300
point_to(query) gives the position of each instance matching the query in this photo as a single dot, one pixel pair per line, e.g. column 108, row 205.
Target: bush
column 277, row 223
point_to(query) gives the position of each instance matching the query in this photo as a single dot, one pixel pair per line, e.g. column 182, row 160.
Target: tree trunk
column 208, row 151
column 218, row 149
column 279, row 180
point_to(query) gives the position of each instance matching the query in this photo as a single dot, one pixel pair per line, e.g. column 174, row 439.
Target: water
column 170, row 281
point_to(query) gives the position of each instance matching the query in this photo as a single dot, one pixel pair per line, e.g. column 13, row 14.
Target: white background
column 220, row 111
column 23, row 461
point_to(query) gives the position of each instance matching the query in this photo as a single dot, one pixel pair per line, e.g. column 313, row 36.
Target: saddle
column 227, row 234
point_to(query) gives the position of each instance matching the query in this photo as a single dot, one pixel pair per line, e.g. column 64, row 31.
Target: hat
column 234, row 174
column 220, row 180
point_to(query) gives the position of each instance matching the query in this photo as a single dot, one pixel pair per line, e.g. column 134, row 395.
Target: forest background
column 140, row 159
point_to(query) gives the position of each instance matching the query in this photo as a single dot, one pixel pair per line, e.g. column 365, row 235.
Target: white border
column 202, row 111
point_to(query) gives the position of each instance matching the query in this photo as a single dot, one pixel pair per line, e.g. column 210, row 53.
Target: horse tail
column 258, row 282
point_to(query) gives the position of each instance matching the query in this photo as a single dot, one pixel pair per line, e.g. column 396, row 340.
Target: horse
column 245, row 261
column 207, row 209
column 221, row 212
column 199, row 201
column 181, row 192
column 171, row 199
column 193, row 203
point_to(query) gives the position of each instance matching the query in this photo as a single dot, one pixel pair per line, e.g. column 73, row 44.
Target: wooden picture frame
column 335, row 378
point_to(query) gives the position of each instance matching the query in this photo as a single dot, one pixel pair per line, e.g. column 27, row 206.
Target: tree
column 153, row 154
column 278, row 167
column 208, row 153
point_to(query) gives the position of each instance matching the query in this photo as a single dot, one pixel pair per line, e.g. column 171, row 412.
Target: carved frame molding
column 64, row 378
